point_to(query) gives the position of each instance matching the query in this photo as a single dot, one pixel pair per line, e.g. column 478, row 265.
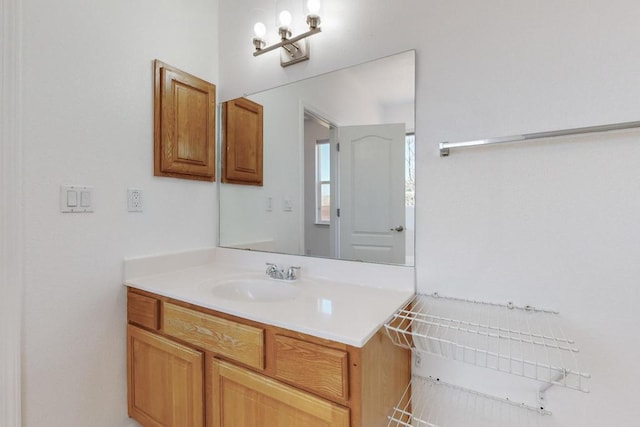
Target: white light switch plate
column 76, row 199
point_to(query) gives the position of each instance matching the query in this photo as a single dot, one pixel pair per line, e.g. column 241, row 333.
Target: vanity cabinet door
column 241, row 398
column 165, row 381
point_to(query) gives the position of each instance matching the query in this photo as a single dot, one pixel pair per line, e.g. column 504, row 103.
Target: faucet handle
column 271, row 267
column 291, row 273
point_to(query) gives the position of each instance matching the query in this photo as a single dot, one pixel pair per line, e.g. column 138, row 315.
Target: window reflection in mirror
column 339, row 168
column 323, row 182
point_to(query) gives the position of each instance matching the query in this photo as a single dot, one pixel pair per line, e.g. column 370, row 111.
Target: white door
column 371, row 193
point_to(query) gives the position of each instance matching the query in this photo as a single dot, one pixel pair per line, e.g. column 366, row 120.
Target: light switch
column 85, row 198
column 72, row 198
column 76, row 199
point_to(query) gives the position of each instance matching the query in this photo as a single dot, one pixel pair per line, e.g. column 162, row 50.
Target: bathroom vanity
column 200, row 355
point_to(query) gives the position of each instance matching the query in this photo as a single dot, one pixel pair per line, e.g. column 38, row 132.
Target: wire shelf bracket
column 445, row 147
column 542, row 393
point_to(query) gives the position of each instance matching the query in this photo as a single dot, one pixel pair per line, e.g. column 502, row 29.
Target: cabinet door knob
column 399, row 228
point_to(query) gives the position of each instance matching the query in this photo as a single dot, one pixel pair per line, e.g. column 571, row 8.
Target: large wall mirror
column 339, row 168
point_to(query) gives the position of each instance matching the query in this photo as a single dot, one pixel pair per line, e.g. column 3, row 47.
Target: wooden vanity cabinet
column 252, row 374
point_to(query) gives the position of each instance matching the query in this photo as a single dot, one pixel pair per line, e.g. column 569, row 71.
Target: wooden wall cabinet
column 233, row 372
column 243, row 142
column 184, row 125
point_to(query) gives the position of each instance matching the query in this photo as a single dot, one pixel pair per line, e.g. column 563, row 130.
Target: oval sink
column 246, row 289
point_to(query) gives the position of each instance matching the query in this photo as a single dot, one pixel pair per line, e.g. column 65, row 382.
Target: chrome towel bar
column 446, row 146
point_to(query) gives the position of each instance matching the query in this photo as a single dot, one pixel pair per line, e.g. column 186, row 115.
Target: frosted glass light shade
column 257, row 19
column 313, row 7
column 259, row 29
column 312, row 10
column 285, row 18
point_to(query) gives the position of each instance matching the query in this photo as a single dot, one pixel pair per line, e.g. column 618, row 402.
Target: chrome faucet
column 275, row 272
column 291, row 273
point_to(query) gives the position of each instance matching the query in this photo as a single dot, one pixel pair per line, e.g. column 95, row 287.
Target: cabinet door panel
column 165, row 381
column 241, row 398
column 185, row 108
column 243, row 142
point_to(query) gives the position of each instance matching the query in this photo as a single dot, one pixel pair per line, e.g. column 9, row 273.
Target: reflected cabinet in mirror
column 338, row 168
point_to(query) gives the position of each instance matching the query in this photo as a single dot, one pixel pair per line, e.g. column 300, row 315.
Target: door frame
column 11, row 213
column 318, row 114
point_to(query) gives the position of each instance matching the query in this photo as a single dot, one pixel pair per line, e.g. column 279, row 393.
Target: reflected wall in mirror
column 339, row 168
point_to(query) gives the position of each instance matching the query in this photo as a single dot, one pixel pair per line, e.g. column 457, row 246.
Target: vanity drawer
column 227, row 338
column 143, row 310
column 317, row 368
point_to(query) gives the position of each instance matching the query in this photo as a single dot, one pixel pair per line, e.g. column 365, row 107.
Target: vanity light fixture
column 293, row 49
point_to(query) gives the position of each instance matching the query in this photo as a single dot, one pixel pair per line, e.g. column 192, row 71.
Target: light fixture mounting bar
column 287, row 42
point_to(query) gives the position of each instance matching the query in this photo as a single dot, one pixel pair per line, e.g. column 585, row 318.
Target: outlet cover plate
column 134, row 200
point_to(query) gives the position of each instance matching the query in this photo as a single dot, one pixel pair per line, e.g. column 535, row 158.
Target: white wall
column 88, row 120
column 553, row 224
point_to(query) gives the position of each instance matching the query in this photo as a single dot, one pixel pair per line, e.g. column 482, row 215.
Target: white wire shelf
column 522, row 341
column 432, row 403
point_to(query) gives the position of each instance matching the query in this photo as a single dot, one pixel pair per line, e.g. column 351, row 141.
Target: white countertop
column 343, row 312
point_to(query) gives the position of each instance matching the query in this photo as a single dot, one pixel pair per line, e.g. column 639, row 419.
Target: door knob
column 398, row 228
